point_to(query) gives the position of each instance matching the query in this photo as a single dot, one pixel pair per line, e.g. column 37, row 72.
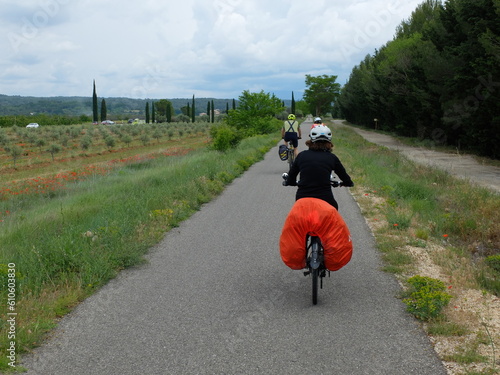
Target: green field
column 70, row 233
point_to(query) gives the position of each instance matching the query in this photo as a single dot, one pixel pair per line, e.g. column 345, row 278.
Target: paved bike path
column 215, row 298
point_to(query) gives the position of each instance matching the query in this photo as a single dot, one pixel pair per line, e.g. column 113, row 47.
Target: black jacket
column 315, row 168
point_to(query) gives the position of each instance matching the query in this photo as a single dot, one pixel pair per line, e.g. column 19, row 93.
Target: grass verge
column 430, row 224
column 65, row 245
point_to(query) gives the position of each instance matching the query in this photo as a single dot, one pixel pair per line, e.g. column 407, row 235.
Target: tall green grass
column 67, row 244
column 426, row 203
column 449, row 205
column 94, row 229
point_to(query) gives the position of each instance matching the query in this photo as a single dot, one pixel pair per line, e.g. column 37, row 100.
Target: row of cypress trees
column 150, row 111
column 95, row 107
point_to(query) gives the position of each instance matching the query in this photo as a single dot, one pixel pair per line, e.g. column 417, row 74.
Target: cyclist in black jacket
column 315, row 166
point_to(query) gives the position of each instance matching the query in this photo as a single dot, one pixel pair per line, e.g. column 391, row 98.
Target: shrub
column 54, row 149
column 40, row 143
column 145, row 139
column 86, row 142
column 3, row 138
column 127, row 139
column 494, row 262
column 110, row 142
column 224, row 137
column 256, row 114
column 489, row 277
column 426, row 297
column 16, row 152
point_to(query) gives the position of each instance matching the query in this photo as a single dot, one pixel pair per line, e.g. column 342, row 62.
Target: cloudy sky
column 177, row 48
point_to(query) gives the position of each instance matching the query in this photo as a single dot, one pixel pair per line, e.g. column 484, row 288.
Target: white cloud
column 14, row 72
column 165, row 49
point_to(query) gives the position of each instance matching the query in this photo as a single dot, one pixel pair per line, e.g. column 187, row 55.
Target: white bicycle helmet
column 317, row 120
column 320, row 133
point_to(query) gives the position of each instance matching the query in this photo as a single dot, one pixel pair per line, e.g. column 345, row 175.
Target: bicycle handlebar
column 334, row 183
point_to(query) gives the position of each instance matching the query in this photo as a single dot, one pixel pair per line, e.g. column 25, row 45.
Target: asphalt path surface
column 215, row 298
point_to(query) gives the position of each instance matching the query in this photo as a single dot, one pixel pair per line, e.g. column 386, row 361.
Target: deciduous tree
column 255, row 113
column 321, row 93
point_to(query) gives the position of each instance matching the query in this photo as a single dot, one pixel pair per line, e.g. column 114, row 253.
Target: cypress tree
column 104, row 110
column 193, row 115
column 153, row 119
column 94, row 106
column 168, row 112
column 209, row 113
column 293, row 104
column 213, row 112
column 234, row 104
column 147, row 113
column 227, row 107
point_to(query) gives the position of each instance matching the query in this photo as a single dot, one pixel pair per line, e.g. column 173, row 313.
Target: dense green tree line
column 438, row 79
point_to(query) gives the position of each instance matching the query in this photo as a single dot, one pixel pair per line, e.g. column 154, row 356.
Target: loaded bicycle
column 315, row 265
column 290, row 132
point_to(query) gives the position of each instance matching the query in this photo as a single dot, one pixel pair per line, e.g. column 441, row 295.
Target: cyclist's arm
column 341, row 172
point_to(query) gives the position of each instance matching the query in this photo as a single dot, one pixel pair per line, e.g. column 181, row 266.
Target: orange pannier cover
column 315, row 217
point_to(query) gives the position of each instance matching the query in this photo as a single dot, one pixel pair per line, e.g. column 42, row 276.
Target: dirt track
column 463, row 166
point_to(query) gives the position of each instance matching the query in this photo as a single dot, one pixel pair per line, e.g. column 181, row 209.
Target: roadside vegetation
column 256, row 114
column 440, row 236
column 102, row 196
column 67, row 242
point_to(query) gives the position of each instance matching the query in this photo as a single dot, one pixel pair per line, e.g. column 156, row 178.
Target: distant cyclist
column 315, row 166
column 290, row 131
column 317, row 122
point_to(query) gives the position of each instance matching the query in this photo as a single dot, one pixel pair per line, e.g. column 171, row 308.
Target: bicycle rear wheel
column 315, row 250
column 315, row 277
